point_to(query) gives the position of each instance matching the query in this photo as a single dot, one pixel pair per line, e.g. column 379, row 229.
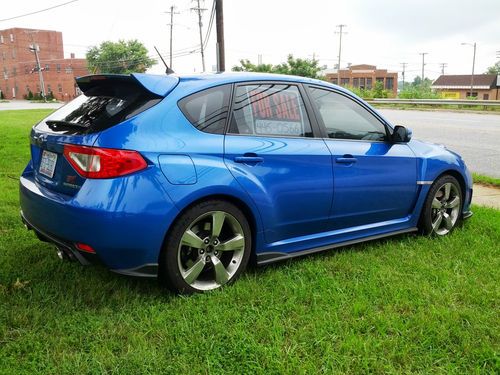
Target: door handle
column 346, row 159
column 249, row 159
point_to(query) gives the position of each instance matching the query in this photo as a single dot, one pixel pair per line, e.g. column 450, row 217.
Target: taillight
column 95, row 162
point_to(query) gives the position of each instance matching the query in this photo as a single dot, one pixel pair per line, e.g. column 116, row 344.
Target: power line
column 209, row 28
column 38, row 11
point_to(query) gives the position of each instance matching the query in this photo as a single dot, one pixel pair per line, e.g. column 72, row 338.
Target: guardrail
column 459, row 102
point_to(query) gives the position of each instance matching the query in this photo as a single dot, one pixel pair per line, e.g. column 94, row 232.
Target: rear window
column 207, row 110
column 98, row 110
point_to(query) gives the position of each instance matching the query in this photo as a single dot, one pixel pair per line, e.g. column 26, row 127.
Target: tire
column 442, row 210
column 199, row 256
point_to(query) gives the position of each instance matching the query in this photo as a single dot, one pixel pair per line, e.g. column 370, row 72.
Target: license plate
column 48, row 163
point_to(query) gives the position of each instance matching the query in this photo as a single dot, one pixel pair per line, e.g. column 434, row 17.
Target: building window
column 58, row 68
column 49, row 89
column 368, row 83
column 59, row 87
column 4, row 55
column 27, row 89
column 68, row 70
column 486, row 96
column 47, row 67
column 389, row 83
column 1, row 39
column 335, row 81
column 355, row 82
column 14, row 53
column 12, row 38
column 5, row 74
column 345, row 81
column 14, row 71
column 473, row 95
column 361, row 83
column 380, row 79
column 26, row 69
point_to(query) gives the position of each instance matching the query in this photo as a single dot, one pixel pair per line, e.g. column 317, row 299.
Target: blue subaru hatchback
column 188, row 178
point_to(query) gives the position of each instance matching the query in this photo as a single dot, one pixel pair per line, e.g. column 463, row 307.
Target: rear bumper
column 124, row 220
column 68, row 248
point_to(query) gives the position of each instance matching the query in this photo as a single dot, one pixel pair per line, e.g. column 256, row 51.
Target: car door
column 374, row 179
column 271, row 150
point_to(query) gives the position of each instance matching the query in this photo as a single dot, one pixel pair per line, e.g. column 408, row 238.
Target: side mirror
column 401, row 134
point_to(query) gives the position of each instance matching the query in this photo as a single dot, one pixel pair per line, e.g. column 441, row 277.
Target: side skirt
column 271, row 257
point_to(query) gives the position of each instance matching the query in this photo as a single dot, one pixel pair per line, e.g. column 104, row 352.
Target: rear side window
column 207, row 110
column 100, row 108
column 270, row 109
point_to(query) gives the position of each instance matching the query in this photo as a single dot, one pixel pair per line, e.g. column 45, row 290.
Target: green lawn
column 408, row 304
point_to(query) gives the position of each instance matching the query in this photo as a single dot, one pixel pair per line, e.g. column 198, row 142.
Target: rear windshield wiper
column 54, row 124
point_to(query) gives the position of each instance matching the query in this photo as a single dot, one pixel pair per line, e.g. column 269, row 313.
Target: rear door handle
column 346, row 159
column 248, row 159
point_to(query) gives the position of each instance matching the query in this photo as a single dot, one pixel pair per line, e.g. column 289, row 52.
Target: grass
column 486, row 180
column 408, row 304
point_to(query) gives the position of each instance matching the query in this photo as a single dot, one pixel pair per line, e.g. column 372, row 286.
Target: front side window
column 269, row 109
column 207, row 110
column 346, row 119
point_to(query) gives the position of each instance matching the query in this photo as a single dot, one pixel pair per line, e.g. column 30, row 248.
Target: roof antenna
column 168, row 70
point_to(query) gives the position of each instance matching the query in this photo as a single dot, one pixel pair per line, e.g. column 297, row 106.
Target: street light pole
column 340, row 32
column 473, row 64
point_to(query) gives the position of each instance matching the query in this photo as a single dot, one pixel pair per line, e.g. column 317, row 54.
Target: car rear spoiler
column 113, row 84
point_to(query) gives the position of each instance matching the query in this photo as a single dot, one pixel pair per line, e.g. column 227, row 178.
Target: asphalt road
column 475, row 136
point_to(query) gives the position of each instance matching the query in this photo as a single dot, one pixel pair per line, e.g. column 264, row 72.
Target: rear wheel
column 442, row 208
column 208, row 246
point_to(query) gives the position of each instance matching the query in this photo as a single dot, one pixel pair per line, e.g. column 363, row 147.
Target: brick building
column 364, row 76
column 18, row 74
column 485, row 86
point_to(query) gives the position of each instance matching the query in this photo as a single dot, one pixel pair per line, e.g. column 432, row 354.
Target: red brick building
column 18, row 74
column 364, row 76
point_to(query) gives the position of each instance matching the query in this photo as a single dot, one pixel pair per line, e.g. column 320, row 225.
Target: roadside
column 486, row 196
column 423, row 108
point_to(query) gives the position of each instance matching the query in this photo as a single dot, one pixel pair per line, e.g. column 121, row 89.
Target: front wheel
column 442, row 208
column 208, row 246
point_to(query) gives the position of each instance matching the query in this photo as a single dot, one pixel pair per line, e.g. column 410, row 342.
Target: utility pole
column 171, row 24
column 200, row 10
column 423, row 64
column 404, row 65
column 473, row 63
column 36, row 48
column 219, row 21
column 259, row 59
column 443, row 65
column 340, row 32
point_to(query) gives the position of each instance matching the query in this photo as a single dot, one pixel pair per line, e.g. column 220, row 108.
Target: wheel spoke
column 436, row 203
column 453, row 203
column 447, row 221
column 192, row 273
column 221, row 274
column 447, row 190
column 437, row 222
column 191, row 239
column 236, row 243
column 217, row 223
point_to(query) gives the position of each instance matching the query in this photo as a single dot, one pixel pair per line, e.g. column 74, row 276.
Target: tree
column 120, row 57
column 293, row 66
column 494, row 69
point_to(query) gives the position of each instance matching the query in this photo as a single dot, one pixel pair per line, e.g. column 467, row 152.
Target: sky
column 384, row 33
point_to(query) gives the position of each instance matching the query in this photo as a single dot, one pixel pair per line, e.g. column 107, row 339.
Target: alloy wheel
column 445, row 208
column 211, row 250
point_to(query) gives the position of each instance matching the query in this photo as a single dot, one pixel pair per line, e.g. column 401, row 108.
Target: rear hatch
column 106, row 101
